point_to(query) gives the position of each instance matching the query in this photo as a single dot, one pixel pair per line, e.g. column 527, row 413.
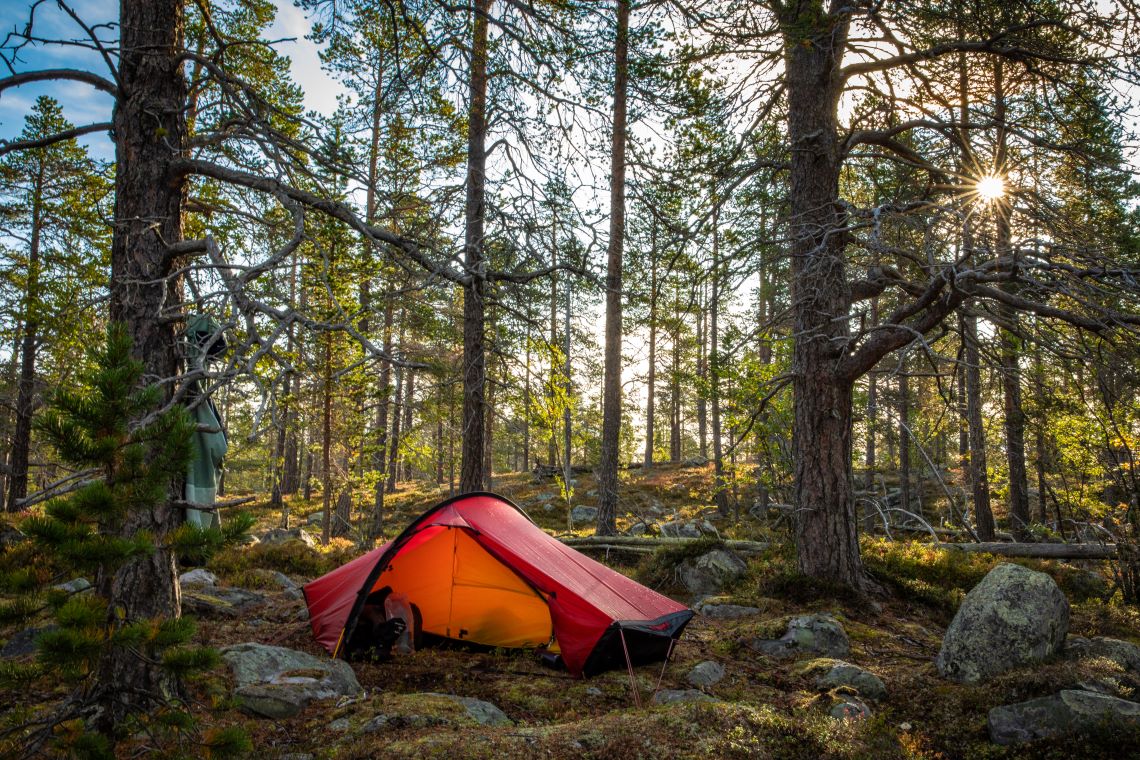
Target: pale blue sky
column 85, row 105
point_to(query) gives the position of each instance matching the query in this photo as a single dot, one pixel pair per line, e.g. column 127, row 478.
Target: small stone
column 849, row 708
column 482, row 712
column 904, row 726
column 340, row 724
column 547, row 507
column 199, row 576
column 705, row 674
column 639, row 528
column 670, row 696
column 815, row 634
column 593, row 691
column 583, row 514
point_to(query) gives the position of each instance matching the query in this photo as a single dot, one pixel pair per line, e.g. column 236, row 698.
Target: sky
column 85, row 105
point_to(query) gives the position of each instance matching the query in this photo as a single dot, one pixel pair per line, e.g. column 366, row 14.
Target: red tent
column 477, row 569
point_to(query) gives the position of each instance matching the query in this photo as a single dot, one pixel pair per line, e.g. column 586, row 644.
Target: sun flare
column 990, row 188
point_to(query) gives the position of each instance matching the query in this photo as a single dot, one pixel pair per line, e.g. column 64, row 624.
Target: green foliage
column 111, row 425
column 226, row 742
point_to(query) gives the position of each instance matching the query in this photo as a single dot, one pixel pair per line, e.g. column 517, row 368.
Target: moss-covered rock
column 819, row 634
column 827, row 673
column 1015, row 616
column 1066, row 712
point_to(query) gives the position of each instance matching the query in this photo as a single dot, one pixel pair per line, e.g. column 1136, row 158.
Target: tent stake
column 668, row 654
column 629, row 666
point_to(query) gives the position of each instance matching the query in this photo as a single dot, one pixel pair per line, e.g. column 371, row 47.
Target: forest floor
column 761, row 708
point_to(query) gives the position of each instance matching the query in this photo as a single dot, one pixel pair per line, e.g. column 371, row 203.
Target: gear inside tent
column 476, row 569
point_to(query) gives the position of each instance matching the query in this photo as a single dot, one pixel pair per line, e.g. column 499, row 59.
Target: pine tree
column 112, row 426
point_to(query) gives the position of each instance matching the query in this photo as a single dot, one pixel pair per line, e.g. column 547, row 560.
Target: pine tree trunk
column 675, row 388
column 552, row 444
column 26, row 388
column 720, row 486
column 148, row 214
column 904, row 439
column 326, row 443
column 826, row 528
column 979, row 479
column 394, row 439
column 702, row 376
column 651, row 381
column 611, row 392
column 473, row 477
column 567, row 472
column 409, row 418
column 1010, row 353
column 872, row 411
column 380, row 454
column 526, row 407
column 489, row 438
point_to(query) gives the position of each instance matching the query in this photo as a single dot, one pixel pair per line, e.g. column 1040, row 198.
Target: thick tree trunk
column 651, row 381
column 26, row 388
column 148, row 217
column 826, row 528
column 611, row 393
column 473, row 477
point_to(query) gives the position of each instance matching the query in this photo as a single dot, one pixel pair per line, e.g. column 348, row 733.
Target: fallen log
column 1038, row 551
column 752, row 547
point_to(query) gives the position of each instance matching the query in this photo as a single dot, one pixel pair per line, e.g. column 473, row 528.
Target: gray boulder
column 725, row 611
column 220, row 602
column 1064, row 713
column 1014, row 616
column 818, row 634
column 199, row 576
column 1123, row 653
column 670, row 696
column 281, row 535
column 711, row 572
column 639, row 528
column 23, row 643
column 704, row 674
column 275, row 682
column 583, row 514
column 10, row 536
column 74, row 586
column 830, row 674
column 483, row 713
column 289, row 588
column 680, row 529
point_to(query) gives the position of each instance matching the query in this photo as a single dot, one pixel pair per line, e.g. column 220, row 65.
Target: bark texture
column 472, row 476
column 150, row 130
column 826, row 530
column 611, row 392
